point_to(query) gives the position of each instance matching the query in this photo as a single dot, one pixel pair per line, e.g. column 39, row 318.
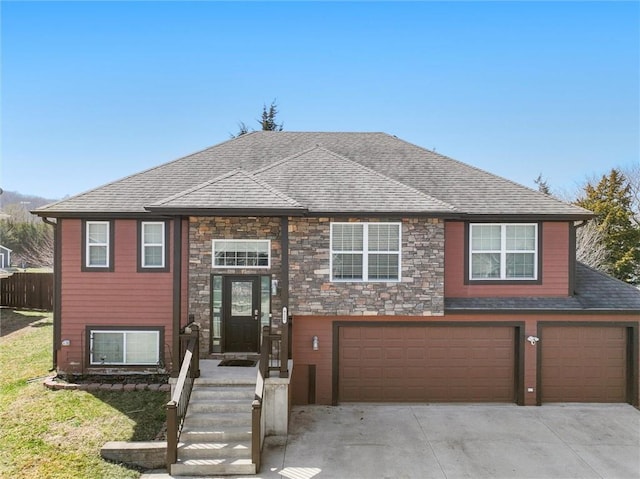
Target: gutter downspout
column 57, row 289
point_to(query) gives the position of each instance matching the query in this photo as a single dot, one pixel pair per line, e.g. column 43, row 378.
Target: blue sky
column 94, row 91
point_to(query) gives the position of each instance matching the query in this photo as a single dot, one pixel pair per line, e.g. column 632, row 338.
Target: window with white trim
column 365, row 251
column 97, row 244
column 503, row 251
column 153, row 244
column 241, row 253
column 124, row 347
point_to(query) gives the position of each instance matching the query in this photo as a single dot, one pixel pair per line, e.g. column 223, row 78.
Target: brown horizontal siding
column 304, row 329
column 122, row 297
column 554, row 269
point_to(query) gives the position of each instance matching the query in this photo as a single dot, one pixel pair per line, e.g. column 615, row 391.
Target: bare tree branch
column 37, row 249
column 590, row 247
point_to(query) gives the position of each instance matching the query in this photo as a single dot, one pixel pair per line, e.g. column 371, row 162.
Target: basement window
column 124, row 347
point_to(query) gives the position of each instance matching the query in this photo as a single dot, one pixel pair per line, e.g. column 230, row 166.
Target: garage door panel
column 393, row 352
column 416, row 353
column 583, row 363
column 351, row 353
column 430, row 364
column 352, row 333
column 479, row 353
column 372, row 334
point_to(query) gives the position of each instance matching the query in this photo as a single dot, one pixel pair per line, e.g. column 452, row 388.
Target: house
column 5, row 257
column 401, row 274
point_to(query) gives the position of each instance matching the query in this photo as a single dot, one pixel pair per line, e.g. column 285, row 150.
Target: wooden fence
column 27, row 290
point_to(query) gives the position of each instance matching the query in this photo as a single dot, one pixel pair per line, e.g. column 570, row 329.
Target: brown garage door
column 426, row 364
column 583, row 364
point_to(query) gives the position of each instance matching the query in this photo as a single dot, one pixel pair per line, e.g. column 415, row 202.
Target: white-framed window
column 241, row 253
column 125, row 347
column 97, row 244
column 503, row 251
column 153, row 244
column 365, row 251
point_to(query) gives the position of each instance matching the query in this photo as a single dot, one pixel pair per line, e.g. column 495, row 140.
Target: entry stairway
column 216, row 434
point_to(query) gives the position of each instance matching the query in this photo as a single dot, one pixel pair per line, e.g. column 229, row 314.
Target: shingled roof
column 308, row 172
column 595, row 292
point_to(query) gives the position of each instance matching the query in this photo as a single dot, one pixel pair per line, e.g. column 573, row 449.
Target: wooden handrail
column 256, row 407
column 177, row 406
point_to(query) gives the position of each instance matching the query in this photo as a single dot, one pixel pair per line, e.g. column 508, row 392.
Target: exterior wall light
column 315, row 343
column 533, row 340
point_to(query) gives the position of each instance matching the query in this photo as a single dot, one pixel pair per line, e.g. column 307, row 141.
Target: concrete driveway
column 455, row 441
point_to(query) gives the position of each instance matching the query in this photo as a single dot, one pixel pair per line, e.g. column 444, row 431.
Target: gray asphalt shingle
column 235, row 190
column 327, row 182
column 447, row 182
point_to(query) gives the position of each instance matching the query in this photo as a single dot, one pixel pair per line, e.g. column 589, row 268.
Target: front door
column 241, row 313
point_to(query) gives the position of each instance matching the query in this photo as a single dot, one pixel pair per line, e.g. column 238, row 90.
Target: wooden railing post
column 195, row 359
column 172, row 434
column 265, row 352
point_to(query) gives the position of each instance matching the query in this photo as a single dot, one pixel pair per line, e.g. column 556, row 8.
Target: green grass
column 58, row 434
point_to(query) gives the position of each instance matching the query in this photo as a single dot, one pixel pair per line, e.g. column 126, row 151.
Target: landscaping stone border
column 53, row 382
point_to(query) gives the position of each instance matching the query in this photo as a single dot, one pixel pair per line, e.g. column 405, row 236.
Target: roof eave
column 91, row 214
column 528, row 216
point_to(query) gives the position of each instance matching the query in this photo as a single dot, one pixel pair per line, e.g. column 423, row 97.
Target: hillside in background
column 29, row 202
column 29, row 238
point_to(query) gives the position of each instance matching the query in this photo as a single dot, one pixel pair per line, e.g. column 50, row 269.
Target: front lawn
column 58, row 434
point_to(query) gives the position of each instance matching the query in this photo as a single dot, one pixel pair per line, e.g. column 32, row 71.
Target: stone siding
column 420, row 292
column 202, row 230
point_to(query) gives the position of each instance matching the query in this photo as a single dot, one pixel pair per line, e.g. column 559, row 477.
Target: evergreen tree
column 611, row 201
column 267, row 121
column 543, row 185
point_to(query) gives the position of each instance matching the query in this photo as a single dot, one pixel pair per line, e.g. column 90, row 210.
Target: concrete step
column 249, row 381
column 220, row 392
column 219, row 405
column 212, row 467
column 214, row 450
column 216, row 434
column 200, row 433
column 220, row 419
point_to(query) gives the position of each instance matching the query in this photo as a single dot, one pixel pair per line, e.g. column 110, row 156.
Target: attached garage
column 584, row 363
column 427, row 362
